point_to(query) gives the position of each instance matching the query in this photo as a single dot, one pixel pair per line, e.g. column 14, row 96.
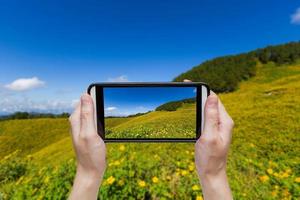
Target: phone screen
column 150, row 112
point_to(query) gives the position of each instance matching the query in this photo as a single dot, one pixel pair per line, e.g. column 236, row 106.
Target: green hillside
column 174, row 105
column 31, row 135
column 158, row 124
column 263, row 161
column 223, row 74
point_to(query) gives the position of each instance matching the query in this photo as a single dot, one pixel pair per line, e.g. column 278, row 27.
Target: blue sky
column 50, row 51
column 128, row 101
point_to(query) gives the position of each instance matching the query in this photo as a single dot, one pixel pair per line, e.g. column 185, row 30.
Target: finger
column 87, row 115
column 211, row 115
column 225, row 123
column 75, row 121
column 187, row 80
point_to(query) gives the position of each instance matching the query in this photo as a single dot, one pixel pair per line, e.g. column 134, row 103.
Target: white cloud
column 111, row 108
column 111, row 111
column 23, row 84
column 13, row 104
column 122, row 78
column 295, row 18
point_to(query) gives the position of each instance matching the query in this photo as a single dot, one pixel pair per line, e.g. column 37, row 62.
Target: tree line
column 27, row 115
column 223, row 74
column 174, row 105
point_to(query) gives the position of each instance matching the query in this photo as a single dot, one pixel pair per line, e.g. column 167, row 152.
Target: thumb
column 211, row 115
column 87, row 115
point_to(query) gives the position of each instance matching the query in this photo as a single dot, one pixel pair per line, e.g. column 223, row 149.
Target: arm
column 211, row 150
column 90, row 151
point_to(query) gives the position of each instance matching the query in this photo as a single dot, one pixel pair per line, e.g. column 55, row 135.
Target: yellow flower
column 274, row 193
column 270, row 171
column 117, row 162
column 154, row 179
column 264, row 178
column 191, row 167
column 199, row 198
column 110, row 180
column 41, row 197
column 252, row 145
column 288, row 171
column 286, row 193
column 271, row 163
column 276, row 174
column 168, row 177
column 284, row 175
column 297, row 180
column 122, row 148
column 142, row 183
column 46, row 180
column 184, row 172
column 195, row 187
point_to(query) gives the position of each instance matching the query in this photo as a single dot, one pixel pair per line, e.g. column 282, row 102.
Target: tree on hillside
column 223, row 74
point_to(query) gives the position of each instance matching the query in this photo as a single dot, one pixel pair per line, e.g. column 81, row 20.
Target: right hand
column 211, row 150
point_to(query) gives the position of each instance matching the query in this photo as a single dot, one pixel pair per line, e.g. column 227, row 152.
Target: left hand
column 90, row 150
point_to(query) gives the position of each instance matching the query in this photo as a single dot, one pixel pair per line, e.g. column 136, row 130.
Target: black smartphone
column 149, row 112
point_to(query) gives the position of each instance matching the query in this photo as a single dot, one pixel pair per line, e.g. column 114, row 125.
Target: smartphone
column 149, row 112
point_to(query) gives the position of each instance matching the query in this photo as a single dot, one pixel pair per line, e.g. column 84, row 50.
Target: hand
column 90, row 151
column 211, row 150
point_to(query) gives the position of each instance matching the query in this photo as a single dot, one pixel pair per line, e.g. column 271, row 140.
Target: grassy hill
column 157, row 124
column 263, row 161
column 223, row 74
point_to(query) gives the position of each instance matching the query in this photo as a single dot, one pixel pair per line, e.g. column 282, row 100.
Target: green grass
column 263, row 160
column 31, row 135
column 157, row 124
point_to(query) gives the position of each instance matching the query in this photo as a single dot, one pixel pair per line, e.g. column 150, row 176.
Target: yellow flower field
column 37, row 160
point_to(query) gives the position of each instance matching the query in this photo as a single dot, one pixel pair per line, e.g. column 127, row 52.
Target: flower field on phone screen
column 37, row 160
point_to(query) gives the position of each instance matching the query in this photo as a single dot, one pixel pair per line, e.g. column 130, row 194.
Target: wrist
column 85, row 185
column 86, row 182
column 213, row 179
column 215, row 186
column 212, row 176
column 89, row 178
